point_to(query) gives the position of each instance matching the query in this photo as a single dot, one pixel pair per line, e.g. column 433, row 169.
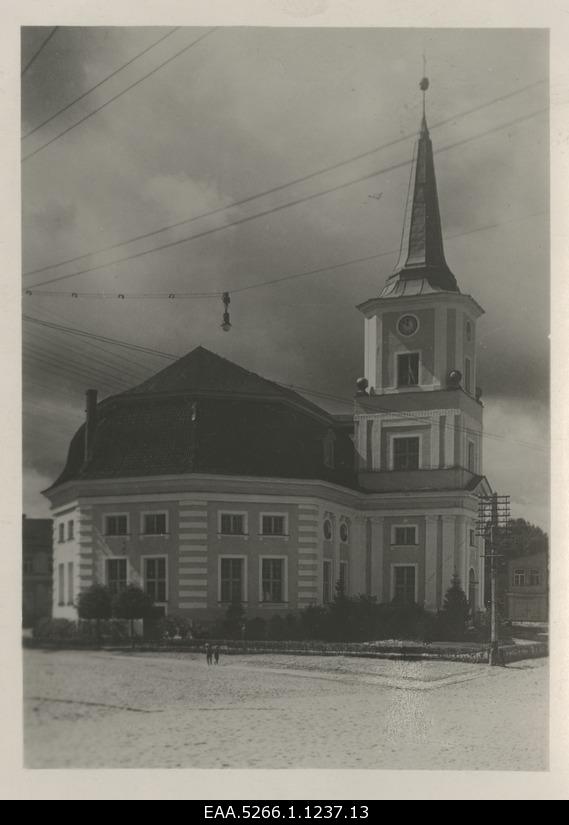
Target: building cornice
column 430, row 300
column 204, row 486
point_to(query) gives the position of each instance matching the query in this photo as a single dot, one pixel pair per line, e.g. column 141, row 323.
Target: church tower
column 418, row 420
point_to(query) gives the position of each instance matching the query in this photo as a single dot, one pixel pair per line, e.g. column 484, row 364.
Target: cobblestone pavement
column 106, row 710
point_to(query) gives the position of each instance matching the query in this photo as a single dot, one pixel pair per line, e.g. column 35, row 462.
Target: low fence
column 472, row 653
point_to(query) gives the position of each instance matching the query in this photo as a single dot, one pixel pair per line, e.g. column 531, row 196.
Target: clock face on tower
column 407, row 325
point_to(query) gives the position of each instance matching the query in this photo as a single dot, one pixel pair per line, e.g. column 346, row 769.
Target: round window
column 327, row 529
column 344, row 532
column 408, row 325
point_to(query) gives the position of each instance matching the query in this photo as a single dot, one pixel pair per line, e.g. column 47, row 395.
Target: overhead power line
column 309, row 390
column 39, row 51
column 171, row 296
column 296, row 202
column 110, row 368
column 100, row 83
column 120, row 94
column 280, row 187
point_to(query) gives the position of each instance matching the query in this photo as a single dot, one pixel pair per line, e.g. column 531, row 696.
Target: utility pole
column 493, row 514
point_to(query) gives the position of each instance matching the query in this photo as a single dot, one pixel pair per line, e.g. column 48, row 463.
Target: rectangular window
column 116, row 575
column 327, row 582
column 154, row 524
column 70, row 583
column 404, row 585
column 61, row 584
column 273, row 580
column 467, row 375
column 70, row 530
column 61, row 532
column 471, row 457
column 406, row 453
column 273, row 525
column 534, row 578
column 472, row 538
column 28, row 566
column 408, row 369
column 116, row 525
column 405, row 535
column 231, row 580
column 519, row 578
column 155, row 579
column 343, row 578
column 232, row 524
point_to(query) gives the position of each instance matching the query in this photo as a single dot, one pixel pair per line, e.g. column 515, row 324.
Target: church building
column 207, row 484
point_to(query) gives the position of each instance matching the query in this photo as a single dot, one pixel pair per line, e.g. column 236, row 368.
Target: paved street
column 106, row 710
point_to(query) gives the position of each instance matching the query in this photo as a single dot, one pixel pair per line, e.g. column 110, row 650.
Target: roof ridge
column 170, row 383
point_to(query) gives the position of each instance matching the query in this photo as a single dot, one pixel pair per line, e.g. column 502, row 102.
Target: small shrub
column 234, row 624
column 277, row 628
column 198, row 630
column 291, row 627
column 453, row 618
column 313, row 624
column 256, row 629
column 171, row 627
column 55, row 629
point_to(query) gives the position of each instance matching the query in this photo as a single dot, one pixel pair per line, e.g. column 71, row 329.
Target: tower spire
column 422, row 266
column 424, row 84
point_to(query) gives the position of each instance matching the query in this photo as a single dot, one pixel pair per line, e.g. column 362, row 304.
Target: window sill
column 233, row 535
column 117, row 535
column 228, row 604
column 154, row 535
column 273, row 535
column 404, row 546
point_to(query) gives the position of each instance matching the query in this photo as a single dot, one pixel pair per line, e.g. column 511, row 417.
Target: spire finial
column 424, row 84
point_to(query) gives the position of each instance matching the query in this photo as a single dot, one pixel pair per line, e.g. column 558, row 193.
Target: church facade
column 208, row 484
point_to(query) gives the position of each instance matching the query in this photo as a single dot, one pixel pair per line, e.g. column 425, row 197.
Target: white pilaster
column 309, row 555
column 450, row 425
column 378, row 383
column 459, row 348
column 192, row 555
column 377, row 552
column 376, row 444
column 370, row 354
column 440, row 366
column 431, row 562
column 461, row 545
column 435, row 442
column 449, row 540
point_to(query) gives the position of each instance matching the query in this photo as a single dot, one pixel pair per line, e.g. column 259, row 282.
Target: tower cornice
column 404, row 302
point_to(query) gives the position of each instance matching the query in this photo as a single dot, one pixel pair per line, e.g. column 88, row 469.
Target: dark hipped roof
column 204, row 372
column 149, row 429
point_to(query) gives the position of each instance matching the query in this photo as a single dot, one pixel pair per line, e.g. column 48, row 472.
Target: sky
column 248, row 110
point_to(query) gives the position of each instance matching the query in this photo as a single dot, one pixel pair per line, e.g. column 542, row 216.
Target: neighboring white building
column 207, row 483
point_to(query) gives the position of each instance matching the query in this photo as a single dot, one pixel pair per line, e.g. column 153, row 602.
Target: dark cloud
column 247, row 110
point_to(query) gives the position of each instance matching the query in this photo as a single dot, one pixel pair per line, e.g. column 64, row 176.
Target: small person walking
column 208, row 653
column 216, row 654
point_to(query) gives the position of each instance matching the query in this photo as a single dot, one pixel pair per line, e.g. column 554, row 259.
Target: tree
column 520, row 539
column 95, row 604
column 455, row 610
column 132, row 603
